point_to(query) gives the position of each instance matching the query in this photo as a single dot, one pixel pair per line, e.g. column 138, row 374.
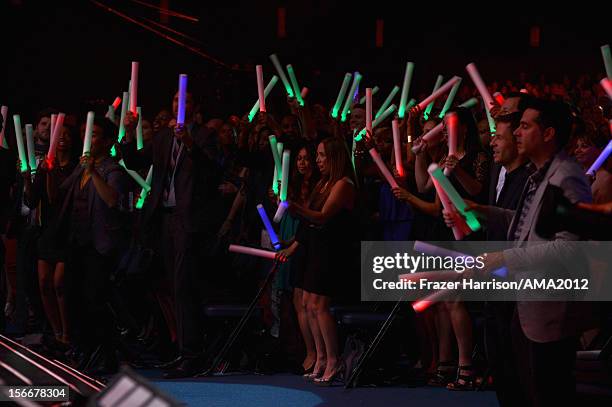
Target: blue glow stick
column 268, row 225
column 182, row 100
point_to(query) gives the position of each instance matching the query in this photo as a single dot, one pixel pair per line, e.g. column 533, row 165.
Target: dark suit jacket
column 195, row 181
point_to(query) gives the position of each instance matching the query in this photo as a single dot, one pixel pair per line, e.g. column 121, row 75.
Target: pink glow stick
column 441, row 91
column 260, row 88
column 480, row 85
column 134, row 89
column 383, row 168
column 251, row 251
column 116, row 102
column 59, row 125
column 451, row 124
column 431, row 136
column 607, row 85
column 52, row 126
column 397, row 148
column 304, row 92
column 369, row 111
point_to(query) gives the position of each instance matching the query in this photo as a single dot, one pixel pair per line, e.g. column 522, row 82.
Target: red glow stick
column 499, row 98
column 134, row 89
column 116, row 102
column 451, row 124
column 260, row 88
column 59, row 125
column 397, row 148
column 369, row 111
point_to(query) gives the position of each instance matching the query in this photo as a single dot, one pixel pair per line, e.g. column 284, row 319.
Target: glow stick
column 470, row 103
column 387, row 101
column 452, row 126
column 251, row 251
column 20, row 147
column 499, row 98
column 182, row 100
column 52, row 125
column 411, row 104
column 442, row 90
column 390, row 110
column 349, row 97
column 459, row 230
column 480, row 85
column 492, row 127
column 341, row 93
column 136, row 176
column 275, row 182
column 397, row 147
column 260, row 88
column 266, row 221
column 124, row 109
column 602, row 157
column 431, row 104
column 116, row 102
column 280, row 149
column 89, row 124
column 134, row 88
column 30, row 144
column 450, row 98
column 607, row 85
column 383, row 168
column 405, row 89
column 368, row 117
column 304, row 92
column 523, row 90
column 280, row 212
column 143, row 192
column 4, row 111
column 470, row 218
column 59, row 125
column 275, row 153
column 431, row 136
column 267, row 91
column 607, row 57
column 375, row 90
column 294, row 82
column 281, row 73
column 285, row 175
column 139, row 138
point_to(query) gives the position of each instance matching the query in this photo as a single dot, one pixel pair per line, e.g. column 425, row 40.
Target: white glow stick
column 442, row 90
column 3, row 143
column 136, row 176
column 285, row 175
column 59, row 125
column 281, row 73
column 134, row 88
column 368, row 102
column 383, row 168
column 431, row 136
column 30, row 144
column 452, row 124
column 275, row 154
column 267, row 91
column 480, row 85
column 139, row 138
column 345, row 84
column 280, row 212
column 260, row 88
column 20, row 146
column 88, row 133
column 397, row 148
column 607, row 57
column 251, row 251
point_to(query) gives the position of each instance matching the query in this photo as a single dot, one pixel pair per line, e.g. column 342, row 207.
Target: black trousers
column 179, row 258
column 546, row 370
column 27, row 276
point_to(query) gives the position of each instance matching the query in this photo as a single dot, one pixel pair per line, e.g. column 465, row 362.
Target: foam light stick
column 23, row 160
column 266, row 221
column 124, row 109
column 251, row 251
column 602, row 157
column 368, row 117
column 405, row 89
column 387, row 101
column 275, row 153
column 280, row 148
column 3, row 143
column 499, row 98
column 452, row 123
column 492, row 127
column 390, row 110
column 30, row 144
column 182, row 100
column 304, row 92
column 383, row 168
column 285, row 175
column 59, row 125
column 397, row 148
column 294, row 83
column 136, row 177
column 89, row 124
column 431, row 136
column 341, row 93
column 275, row 182
column 470, row 103
column 110, row 114
column 375, row 90
column 260, row 88
column 52, row 125
column 267, row 91
column 144, row 192
column 442, row 90
column 607, row 57
column 134, row 88
column 282, row 75
column 280, row 212
column 436, row 173
column 450, row 98
column 430, row 106
column 461, row 229
column 607, row 85
column 139, row 138
column 480, row 85
column 349, row 97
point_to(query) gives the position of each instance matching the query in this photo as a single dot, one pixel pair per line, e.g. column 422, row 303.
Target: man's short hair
column 45, row 113
column 553, row 114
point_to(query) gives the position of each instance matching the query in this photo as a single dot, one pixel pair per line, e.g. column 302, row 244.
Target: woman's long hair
column 300, row 188
column 472, row 138
column 339, row 163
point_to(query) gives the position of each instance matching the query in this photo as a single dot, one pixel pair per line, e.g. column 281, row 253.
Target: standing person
column 183, row 194
column 323, row 245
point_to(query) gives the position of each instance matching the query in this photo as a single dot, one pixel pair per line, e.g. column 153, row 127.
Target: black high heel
column 328, row 382
column 312, row 375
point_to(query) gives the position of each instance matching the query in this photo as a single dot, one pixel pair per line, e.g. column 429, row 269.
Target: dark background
column 70, row 54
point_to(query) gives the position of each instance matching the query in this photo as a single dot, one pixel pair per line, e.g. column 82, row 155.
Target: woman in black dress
column 323, row 248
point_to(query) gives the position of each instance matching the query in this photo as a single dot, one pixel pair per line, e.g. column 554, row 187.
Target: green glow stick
column 470, row 103
column 296, row 87
column 267, row 91
column 275, row 182
column 279, row 173
column 431, row 105
column 275, row 153
column 453, row 195
column 492, row 127
column 282, row 75
column 144, row 193
column 607, row 57
column 405, row 89
column 387, row 102
column 349, row 97
column 450, row 98
column 412, row 103
column 390, row 110
column 139, row 139
column 136, row 176
column 375, row 90
column 30, row 144
column 124, row 107
column 340, row 98
column 285, row 175
column 23, row 161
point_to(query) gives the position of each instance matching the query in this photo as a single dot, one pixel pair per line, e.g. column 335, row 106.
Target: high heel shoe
column 336, row 376
column 308, row 370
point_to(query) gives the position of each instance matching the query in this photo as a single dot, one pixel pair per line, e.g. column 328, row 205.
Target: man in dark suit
column 179, row 214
